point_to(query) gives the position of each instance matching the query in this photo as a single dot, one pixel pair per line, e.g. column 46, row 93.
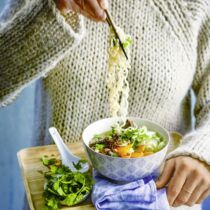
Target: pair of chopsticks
column 111, row 24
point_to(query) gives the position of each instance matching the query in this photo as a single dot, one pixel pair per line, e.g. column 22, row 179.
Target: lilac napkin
column 137, row 195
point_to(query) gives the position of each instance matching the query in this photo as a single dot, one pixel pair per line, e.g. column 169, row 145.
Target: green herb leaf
column 64, row 187
column 69, row 200
column 99, row 146
column 127, row 42
column 47, row 161
column 78, row 165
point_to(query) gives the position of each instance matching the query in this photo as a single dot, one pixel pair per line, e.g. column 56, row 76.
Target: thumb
column 166, row 174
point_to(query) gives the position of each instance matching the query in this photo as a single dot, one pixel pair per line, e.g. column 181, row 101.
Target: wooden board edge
column 25, row 182
column 37, row 148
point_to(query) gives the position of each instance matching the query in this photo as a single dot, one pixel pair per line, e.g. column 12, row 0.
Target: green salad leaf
column 63, row 186
column 100, row 146
column 135, row 135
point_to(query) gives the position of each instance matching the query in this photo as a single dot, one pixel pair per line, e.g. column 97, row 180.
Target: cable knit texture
column 170, row 56
column 28, row 51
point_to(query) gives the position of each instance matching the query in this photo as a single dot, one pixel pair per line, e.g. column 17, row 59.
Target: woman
column 170, row 56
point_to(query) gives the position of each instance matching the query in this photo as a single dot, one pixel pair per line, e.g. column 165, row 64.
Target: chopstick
column 111, row 24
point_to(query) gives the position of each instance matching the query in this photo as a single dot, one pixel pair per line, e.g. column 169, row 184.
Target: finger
column 199, row 190
column 84, row 13
column 94, row 9
column 103, row 4
column 166, row 174
column 61, row 4
column 175, row 185
column 89, row 11
column 203, row 196
column 66, row 5
column 78, row 9
column 188, row 188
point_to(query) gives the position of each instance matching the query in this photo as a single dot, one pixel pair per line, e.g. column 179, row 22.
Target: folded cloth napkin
column 137, row 195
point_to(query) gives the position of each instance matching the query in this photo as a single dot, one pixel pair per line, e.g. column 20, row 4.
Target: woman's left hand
column 187, row 181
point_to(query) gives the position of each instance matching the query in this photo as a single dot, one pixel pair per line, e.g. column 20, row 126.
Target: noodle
column 118, row 67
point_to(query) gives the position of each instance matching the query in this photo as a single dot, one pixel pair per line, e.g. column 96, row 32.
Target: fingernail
column 104, row 4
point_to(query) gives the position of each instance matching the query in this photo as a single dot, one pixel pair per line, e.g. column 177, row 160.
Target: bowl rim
column 137, row 118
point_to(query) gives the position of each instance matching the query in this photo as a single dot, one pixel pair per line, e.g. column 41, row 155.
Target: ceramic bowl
column 124, row 169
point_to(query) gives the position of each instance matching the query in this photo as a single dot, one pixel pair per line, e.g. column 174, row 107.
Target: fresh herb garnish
column 128, row 41
column 128, row 140
column 46, row 161
column 78, row 165
column 62, row 186
column 99, row 146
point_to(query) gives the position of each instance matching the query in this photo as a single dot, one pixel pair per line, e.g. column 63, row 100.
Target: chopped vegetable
column 124, row 150
column 62, row 186
column 128, row 141
column 128, row 41
column 137, row 154
column 99, row 147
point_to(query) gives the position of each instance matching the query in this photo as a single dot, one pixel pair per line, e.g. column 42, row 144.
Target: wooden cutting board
column 30, row 164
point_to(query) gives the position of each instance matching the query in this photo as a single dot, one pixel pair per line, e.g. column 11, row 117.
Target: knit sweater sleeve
column 32, row 42
column 197, row 142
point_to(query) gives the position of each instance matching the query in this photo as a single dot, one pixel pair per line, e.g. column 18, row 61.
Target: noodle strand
column 118, row 67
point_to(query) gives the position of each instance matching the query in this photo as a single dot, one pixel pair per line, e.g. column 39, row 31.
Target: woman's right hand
column 92, row 9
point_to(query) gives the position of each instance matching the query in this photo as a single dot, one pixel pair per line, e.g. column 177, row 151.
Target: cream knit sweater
column 170, row 56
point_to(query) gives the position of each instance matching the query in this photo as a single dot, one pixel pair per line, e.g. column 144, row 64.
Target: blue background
column 16, row 129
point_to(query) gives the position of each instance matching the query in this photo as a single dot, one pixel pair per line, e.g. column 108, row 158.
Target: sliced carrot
column 137, row 154
column 123, row 150
column 148, row 153
column 140, row 148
